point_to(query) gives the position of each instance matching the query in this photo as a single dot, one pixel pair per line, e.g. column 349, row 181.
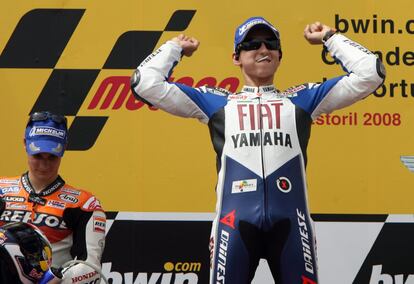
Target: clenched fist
column 315, row 32
column 188, row 44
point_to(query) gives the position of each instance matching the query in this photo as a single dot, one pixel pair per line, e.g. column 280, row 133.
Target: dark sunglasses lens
column 256, row 44
column 38, row 116
column 272, row 44
column 251, row 45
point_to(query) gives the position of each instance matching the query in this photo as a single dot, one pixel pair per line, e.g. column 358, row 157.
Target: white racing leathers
column 260, row 136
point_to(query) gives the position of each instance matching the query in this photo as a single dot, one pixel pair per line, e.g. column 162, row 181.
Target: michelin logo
column 247, row 26
column 48, row 131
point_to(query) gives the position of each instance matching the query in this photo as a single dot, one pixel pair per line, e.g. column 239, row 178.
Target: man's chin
column 43, row 176
column 265, row 77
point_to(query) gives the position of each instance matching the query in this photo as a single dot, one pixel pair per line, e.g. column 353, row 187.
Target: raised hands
column 188, row 44
column 315, row 32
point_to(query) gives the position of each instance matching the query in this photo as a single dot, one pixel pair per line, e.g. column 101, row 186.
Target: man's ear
column 24, row 144
column 236, row 60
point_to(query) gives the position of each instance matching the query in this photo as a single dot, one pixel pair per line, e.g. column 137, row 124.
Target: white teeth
column 262, row 59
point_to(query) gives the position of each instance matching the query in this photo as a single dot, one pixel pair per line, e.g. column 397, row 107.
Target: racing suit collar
column 259, row 91
column 55, row 185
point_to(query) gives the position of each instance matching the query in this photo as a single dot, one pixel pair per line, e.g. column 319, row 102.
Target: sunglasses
column 254, row 44
column 44, row 115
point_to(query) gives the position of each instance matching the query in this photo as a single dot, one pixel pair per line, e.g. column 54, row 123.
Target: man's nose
column 263, row 47
column 44, row 163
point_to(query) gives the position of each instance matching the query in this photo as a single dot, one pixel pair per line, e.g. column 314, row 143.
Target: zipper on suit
column 265, row 205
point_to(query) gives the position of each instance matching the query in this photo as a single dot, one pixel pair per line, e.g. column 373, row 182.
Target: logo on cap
column 58, row 148
column 245, row 27
column 49, row 131
column 33, row 147
column 46, row 136
column 248, row 25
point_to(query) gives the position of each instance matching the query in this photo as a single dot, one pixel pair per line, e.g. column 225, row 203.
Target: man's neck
column 257, row 82
column 39, row 184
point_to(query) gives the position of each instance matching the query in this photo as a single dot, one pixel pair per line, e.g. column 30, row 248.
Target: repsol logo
column 175, row 273
column 39, row 219
column 377, row 277
column 34, row 45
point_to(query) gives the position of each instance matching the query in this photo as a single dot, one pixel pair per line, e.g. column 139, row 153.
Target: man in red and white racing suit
column 72, row 219
column 260, row 136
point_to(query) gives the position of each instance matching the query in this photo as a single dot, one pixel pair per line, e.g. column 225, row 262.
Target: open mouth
column 263, row 59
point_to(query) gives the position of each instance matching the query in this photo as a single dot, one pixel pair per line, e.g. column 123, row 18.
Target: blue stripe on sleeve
column 209, row 103
column 340, row 63
column 309, row 98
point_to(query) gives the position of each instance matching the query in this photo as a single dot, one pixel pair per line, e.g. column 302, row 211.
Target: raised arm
column 150, row 84
column 365, row 73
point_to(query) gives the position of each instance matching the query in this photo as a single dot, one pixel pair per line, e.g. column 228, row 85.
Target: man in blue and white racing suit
column 260, row 136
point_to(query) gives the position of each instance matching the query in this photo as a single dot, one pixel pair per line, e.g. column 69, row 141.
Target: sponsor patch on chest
column 246, row 185
column 292, row 92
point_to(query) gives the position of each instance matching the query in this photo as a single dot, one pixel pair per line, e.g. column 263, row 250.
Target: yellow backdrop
column 145, row 160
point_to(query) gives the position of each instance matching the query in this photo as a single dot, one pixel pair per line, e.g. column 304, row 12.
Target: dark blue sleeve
column 208, row 102
column 310, row 97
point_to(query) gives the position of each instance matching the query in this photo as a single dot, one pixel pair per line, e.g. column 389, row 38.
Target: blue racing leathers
column 260, row 136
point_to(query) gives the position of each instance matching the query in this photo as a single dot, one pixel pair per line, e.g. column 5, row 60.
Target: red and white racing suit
column 72, row 219
column 260, row 136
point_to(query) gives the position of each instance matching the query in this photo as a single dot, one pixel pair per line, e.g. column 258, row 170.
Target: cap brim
column 45, row 146
column 258, row 25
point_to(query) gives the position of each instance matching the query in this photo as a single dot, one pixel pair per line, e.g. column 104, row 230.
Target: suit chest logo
column 260, row 124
